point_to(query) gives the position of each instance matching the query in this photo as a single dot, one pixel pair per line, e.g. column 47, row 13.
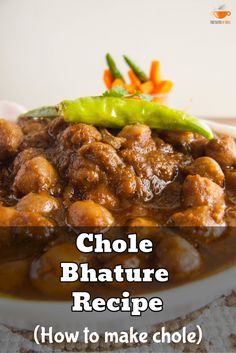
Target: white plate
column 178, row 301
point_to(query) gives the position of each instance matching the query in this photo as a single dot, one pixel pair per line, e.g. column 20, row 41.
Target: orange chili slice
column 134, row 79
column 107, row 78
column 155, row 76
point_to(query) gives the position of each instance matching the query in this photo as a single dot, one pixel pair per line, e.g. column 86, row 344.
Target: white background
column 54, row 49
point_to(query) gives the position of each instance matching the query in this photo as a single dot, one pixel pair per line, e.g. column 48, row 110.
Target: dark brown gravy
column 217, row 253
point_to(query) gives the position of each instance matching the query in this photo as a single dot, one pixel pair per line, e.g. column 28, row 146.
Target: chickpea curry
column 57, row 174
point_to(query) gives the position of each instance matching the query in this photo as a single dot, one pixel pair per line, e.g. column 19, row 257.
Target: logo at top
column 220, row 13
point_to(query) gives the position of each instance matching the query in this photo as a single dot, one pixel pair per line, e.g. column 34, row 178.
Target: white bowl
column 178, row 301
column 25, row 314
column 11, row 110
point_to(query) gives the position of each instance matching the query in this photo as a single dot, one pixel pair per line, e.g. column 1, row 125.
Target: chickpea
column 29, row 224
column 11, row 137
column 104, row 155
column 103, row 195
column 83, row 173
column 144, row 227
column 24, row 156
column 200, row 191
column 207, row 167
column 7, row 214
column 45, row 272
column 223, row 150
column 178, row 256
column 137, row 135
column 79, row 134
column 13, row 274
column 186, row 141
column 143, row 222
column 38, row 203
column 178, row 138
column 136, row 132
column 126, row 261
column 89, row 214
column 194, row 217
column 30, row 219
column 35, row 175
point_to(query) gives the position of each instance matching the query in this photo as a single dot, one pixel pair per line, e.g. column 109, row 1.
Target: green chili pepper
column 138, row 72
column 115, row 73
column 115, row 112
